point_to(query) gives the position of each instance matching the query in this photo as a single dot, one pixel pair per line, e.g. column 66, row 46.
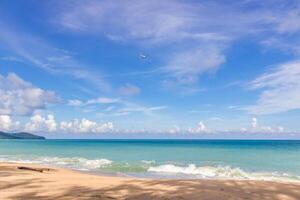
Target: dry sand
column 67, row 184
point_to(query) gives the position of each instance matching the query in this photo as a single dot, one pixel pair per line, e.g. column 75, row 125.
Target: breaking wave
column 149, row 168
column 71, row 162
column 148, row 162
column 220, row 172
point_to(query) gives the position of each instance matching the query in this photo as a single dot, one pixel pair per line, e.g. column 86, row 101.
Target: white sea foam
column 219, row 172
column 171, row 170
column 72, row 162
column 148, row 162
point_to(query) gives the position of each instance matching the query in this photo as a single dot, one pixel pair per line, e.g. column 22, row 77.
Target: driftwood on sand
column 34, row 169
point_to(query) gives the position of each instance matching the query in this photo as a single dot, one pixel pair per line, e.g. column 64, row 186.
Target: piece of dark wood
column 34, row 169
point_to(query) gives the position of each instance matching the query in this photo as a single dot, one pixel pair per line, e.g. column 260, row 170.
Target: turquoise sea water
column 237, row 159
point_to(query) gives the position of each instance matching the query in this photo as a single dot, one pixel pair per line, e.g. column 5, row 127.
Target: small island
column 20, row 135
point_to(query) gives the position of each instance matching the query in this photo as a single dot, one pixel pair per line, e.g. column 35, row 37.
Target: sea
column 174, row 159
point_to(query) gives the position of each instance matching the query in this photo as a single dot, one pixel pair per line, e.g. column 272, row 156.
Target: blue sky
column 211, row 69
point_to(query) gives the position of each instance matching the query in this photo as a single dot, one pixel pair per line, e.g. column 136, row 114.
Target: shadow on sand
column 155, row 189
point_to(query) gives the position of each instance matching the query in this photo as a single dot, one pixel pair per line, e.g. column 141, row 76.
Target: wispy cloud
column 193, row 36
column 42, row 54
column 143, row 109
column 280, row 90
column 117, row 106
column 186, row 67
column 288, row 22
column 103, row 100
column 129, row 90
column 162, row 21
column 157, row 23
column 12, row 59
column 100, row 100
column 288, row 47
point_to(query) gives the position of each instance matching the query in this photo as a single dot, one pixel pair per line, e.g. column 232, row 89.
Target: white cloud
column 253, row 128
column 200, row 128
column 7, row 124
column 48, row 124
column 280, row 129
column 254, row 122
column 129, row 89
column 174, row 130
column 86, row 126
column 18, row 97
column 42, row 124
column 280, row 90
column 257, row 128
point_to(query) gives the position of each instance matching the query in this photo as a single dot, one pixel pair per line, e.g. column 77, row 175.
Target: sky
column 150, row 69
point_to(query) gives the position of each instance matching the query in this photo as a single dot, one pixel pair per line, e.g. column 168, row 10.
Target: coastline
column 61, row 183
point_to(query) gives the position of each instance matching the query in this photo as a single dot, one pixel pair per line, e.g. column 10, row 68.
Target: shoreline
column 61, row 183
column 156, row 177
column 150, row 177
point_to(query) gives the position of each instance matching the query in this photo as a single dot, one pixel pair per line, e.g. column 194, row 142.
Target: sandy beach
column 55, row 183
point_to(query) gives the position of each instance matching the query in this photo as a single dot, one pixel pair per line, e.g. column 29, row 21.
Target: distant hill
column 21, row 135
